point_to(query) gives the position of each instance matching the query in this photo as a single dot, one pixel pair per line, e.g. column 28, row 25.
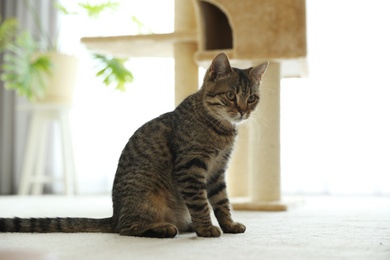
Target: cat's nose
column 241, row 110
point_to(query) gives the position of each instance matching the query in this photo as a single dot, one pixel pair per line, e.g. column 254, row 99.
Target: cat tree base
column 281, row 205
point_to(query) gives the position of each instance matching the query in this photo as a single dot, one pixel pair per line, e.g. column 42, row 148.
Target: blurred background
column 334, row 123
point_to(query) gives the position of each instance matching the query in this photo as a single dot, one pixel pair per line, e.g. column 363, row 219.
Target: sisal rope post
column 264, row 132
column 238, row 169
column 260, row 150
column 186, row 70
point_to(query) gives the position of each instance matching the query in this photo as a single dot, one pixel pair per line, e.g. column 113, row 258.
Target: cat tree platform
column 149, row 45
column 249, row 32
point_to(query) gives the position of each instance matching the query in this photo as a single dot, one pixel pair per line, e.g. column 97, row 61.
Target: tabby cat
column 173, row 167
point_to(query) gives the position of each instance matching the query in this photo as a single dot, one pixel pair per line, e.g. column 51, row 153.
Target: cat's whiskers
column 262, row 120
column 258, row 125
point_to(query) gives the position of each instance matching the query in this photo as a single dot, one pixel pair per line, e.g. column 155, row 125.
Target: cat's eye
column 230, row 95
column 251, row 99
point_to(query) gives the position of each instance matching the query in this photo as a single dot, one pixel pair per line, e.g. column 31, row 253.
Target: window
column 335, row 123
column 103, row 119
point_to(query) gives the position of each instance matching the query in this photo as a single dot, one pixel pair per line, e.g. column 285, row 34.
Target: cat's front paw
column 211, row 231
column 234, row 228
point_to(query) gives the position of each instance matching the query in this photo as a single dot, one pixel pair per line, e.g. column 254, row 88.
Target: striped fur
column 54, row 225
column 173, row 168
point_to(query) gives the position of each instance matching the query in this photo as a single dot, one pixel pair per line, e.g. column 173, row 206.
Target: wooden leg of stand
column 41, row 152
column 70, row 182
column 30, row 153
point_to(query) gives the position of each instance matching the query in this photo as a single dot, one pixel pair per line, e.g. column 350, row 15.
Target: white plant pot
column 63, row 79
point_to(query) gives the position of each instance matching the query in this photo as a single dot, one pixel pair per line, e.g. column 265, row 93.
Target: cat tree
column 249, row 32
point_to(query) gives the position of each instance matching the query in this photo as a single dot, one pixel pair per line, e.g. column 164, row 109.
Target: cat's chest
column 214, row 146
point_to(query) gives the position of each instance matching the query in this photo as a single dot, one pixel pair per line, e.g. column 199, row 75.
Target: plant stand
column 33, row 172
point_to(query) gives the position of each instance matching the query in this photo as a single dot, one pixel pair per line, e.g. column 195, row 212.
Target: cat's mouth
column 233, row 118
column 238, row 118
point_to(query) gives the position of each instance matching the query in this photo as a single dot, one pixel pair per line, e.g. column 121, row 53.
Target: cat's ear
column 220, row 67
column 257, row 72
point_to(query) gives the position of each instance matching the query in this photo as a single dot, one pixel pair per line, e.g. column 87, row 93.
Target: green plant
column 26, row 71
column 7, row 31
column 23, row 70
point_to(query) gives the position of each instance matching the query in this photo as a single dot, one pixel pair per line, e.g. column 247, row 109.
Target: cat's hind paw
column 162, row 231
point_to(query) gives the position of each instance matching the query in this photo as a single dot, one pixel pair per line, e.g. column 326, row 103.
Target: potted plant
column 38, row 74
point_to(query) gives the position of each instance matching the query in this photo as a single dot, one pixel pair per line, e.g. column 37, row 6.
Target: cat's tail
column 56, row 225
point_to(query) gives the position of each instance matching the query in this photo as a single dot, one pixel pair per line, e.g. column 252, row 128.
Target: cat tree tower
column 249, row 32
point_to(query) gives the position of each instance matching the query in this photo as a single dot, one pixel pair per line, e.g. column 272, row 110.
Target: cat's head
column 230, row 93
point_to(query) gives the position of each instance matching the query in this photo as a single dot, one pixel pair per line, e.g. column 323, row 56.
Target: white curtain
column 335, row 123
column 13, row 122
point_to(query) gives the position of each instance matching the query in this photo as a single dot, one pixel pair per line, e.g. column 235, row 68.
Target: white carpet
column 323, row 228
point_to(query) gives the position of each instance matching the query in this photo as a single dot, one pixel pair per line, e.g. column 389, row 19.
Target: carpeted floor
column 322, row 228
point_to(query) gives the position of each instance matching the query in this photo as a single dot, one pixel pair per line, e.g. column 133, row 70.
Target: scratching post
column 255, row 167
column 186, row 70
column 239, row 165
column 264, row 148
